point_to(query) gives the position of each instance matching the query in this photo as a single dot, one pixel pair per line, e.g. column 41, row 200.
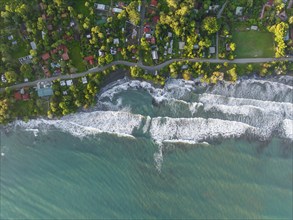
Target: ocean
column 187, row 150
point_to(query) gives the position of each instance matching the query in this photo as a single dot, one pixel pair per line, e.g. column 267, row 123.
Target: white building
column 117, row 10
column 33, row 45
column 155, row 55
column 84, row 80
column 181, row 45
column 100, row 6
column 69, row 82
column 239, row 11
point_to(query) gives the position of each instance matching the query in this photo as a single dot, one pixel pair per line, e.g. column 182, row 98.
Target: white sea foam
column 287, row 129
column 195, row 129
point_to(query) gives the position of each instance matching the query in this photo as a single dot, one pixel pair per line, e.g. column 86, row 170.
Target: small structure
column 44, row 89
column 156, row 19
column 254, row 28
column 101, row 53
column 50, row 27
column 154, row 3
column 196, row 46
column 155, row 55
column 214, row 8
column 101, row 7
column 10, row 37
column 170, row 34
column 62, row 83
column 239, row 11
column 65, row 56
column 181, row 45
column 14, row 42
column 88, row 36
column 33, row 45
column 69, row 82
column 17, row 95
column 3, row 79
column 43, row 35
column 90, row 60
column 84, row 80
column 116, row 41
column 45, row 56
column 212, row 50
column 228, row 47
column 25, row 60
column 46, row 71
column 117, row 10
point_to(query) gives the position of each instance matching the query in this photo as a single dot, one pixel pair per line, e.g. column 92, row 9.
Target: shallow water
column 139, row 168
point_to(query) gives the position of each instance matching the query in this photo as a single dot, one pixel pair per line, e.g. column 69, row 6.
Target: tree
column 26, row 70
column 10, row 76
column 210, row 25
column 5, row 113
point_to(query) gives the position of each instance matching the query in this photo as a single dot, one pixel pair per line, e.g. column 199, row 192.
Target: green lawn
column 253, row 44
column 74, row 54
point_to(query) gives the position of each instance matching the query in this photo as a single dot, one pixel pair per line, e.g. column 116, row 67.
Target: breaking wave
column 259, row 109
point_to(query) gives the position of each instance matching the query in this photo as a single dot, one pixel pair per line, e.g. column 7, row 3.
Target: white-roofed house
column 33, row 45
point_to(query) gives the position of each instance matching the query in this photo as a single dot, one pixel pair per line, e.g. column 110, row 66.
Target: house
column 45, row 56
column 43, row 35
column 170, row 34
column 134, row 33
column 214, row 8
column 84, row 80
column 42, row 6
column 25, row 60
column 287, row 36
column 153, row 40
column 89, row 59
column 46, row 71
column 254, row 28
column 101, row 53
column 181, row 45
column 239, row 11
column 33, row 45
column 101, row 7
column 156, row 19
column 50, row 27
column 69, row 82
column 10, row 37
column 147, row 29
column 117, row 10
column 62, row 83
column 44, row 89
column 25, row 97
column 154, row 3
column 228, row 47
column 3, row 79
column 65, row 56
column 43, row 92
column 113, row 51
column 17, row 95
column 116, row 41
column 212, row 50
column 155, row 55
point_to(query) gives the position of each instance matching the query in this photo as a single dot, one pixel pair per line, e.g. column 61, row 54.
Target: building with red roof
column 156, row 19
column 147, row 29
column 90, row 59
column 154, row 3
column 25, row 97
column 65, row 56
column 17, row 96
column 45, row 56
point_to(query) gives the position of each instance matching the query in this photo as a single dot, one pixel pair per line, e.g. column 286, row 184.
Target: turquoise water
column 111, row 177
column 56, row 174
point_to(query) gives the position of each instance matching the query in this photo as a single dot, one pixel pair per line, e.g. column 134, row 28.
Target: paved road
column 149, row 68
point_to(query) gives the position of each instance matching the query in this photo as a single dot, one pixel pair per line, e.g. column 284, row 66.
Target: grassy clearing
column 253, row 44
column 74, row 53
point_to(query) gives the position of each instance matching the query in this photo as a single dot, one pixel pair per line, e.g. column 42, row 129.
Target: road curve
column 149, row 68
